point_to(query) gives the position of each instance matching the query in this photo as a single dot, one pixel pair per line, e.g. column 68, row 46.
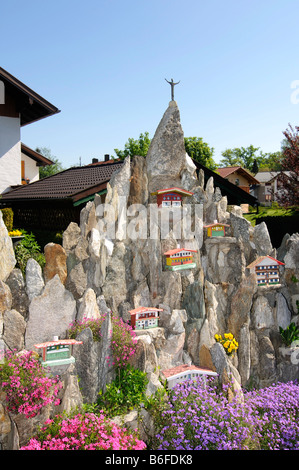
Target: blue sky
column 103, row 64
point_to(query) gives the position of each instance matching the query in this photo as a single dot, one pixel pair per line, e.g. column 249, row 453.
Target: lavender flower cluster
column 203, row 418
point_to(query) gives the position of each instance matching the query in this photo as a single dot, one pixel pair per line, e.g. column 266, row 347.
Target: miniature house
column 144, row 317
column 216, row 229
column 171, row 197
column 266, row 269
column 57, row 352
column 179, row 258
column 184, row 372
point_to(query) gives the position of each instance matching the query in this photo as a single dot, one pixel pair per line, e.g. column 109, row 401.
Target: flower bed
column 26, row 385
column 84, row 432
column 204, row 419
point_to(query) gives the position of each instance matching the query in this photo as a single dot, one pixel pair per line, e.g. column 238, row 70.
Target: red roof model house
column 171, row 197
column 57, row 352
column 267, row 270
column 144, row 317
column 179, row 258
column 216, row 229
column 184, row 372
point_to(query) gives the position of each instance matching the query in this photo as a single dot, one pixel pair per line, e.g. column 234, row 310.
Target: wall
column 31, row 168
column 10, row 153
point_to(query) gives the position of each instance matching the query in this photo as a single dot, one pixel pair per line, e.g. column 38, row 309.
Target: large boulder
column 7, row 258
column 50, row 314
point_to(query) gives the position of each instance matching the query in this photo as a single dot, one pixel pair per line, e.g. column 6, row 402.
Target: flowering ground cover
column 204, row 419
column 26, row 385
column 84, row 432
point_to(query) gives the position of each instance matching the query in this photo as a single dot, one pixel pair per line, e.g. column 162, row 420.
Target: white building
column 19, row 106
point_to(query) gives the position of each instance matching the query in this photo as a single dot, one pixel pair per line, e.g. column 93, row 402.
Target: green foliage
column 124, row 393
column 200, row 151
column 249, row 158
column 290, row 334
column 48, row 170
column 7, row 215
column 135, row 147
column 28, row 248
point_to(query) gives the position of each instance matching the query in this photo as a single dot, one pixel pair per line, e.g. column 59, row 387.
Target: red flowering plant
column 25, row 383
column 84, row 432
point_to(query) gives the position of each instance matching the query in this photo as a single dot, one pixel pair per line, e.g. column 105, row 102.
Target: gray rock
column 34, row 279
column 87, row 306
column 5, row 297
column 14, row 330
column 261, row 239
column 16, row 283
column 7, row 258
column 166, row 155
column 50, row 314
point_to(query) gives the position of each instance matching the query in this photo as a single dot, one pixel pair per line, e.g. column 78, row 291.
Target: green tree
column 200, row 151
column 135, row 147
column 49, row 170
column 244, row 156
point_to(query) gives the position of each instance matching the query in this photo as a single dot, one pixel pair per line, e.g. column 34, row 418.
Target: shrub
column 125, row 392
column 25, row 382
column 204, row 419
column 28, row 248
column 123, row 342
column 290, row 334
column 84, row 432
column 228, row 342
column 7, row 215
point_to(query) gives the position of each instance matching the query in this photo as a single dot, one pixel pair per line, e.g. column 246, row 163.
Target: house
column 238, row 176
column 144, row 317
column 268, row 186
column 184, row 372
column 53, row 202
column 179, row 258
column 171, row 197
column 266, row 269
column 57, row 352
column 216, row 229
column 19, row 106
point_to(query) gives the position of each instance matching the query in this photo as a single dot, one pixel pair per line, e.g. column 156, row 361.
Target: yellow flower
column 226, row 344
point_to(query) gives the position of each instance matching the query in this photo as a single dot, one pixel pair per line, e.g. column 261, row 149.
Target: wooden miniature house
column 216, row 229
column 184, row 372
column 179, row 258
column 57, row 352
column 144, row 317
column 171, row 197
column 266, row 269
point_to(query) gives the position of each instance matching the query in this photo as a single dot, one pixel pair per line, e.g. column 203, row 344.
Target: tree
column 288, row 194
column 48, row 170
column 200, row 151
column 135, row 147
column 195, row 147
column 244, row 156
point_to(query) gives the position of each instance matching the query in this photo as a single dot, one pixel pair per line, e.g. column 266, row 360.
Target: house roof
column 216, row 224
column 185, row 368
column 234, row 194
column 31, row 106
column 267, row 176
column 62, row 342
column 225, row 172
column 144, row 309
column 40, row 159
column 74, row 183
column 184, row 192
column 260, row 259
column 177, row 250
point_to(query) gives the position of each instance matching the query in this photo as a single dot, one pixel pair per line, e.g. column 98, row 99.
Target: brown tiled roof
column 31, row 106
column 224, row 172
column 73, row 183
column 185, row 368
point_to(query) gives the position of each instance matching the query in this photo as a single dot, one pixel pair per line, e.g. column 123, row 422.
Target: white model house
column 179, row 374
column 19, row 106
